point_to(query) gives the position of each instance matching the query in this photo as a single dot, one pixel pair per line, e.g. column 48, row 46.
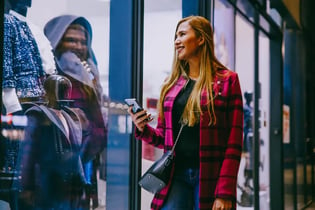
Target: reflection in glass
column 244, row 66
column 97, row 13
column 159, row 24
column 224, row 33
column 264, row 121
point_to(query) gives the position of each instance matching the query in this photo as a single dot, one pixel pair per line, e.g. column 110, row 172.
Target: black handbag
column 68, row 162
column 68, row 165
column 157, row 176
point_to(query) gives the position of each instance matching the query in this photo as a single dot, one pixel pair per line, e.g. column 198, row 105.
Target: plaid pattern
column 95, row 139
column 220, row 145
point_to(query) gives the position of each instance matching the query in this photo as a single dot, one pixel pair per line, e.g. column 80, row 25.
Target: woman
column 206, row 95
column 71, row 38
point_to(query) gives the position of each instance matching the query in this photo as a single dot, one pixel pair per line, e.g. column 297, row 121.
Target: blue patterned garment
column 22, row 66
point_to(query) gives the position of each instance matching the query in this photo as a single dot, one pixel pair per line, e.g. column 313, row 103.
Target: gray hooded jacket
column 70, row 65
column 54, row 31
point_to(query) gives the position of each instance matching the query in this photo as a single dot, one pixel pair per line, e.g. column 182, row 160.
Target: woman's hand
column 222, row 204
column 140, row 119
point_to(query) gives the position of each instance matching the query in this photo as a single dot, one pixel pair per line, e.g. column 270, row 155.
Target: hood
column 57, row 26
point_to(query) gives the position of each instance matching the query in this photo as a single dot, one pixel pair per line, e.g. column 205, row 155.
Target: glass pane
column 92, row 66
column 309, row 177
column 288, row 188
column 247, row 8
column 224, row 33
column 288, row 144
column 160, row 20
column 300, row 175
column 264, row 121
column 244, row 66
column 274, row 14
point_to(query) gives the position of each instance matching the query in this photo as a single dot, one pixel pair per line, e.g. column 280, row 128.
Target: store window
column 160, row 19
column 264, row 121
column 224, row 35
column 244, row 66
column 96, row 12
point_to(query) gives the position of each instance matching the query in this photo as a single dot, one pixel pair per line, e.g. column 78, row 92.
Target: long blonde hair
column 209, row 65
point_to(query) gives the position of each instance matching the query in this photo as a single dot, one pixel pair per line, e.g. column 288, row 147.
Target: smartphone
column 135, row 105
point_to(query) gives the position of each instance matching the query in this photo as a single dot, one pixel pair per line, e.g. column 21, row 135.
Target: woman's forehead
column 184, row 26
column 75, row 32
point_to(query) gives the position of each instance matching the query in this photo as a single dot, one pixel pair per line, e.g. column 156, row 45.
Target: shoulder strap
column 177, row 137
column 73, row 114
column 50, row 114
column 75, row 126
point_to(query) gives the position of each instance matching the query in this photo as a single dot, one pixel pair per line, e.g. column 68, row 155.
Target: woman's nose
column 177, row 41
column 80, row 44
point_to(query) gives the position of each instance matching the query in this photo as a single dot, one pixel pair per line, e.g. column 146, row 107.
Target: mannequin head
column 58, row 90
column 248, row 97
column 19, row 6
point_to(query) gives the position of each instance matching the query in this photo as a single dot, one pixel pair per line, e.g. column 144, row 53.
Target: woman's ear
column 201, row 40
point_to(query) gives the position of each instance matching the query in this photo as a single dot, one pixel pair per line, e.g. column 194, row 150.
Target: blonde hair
column 209, row 65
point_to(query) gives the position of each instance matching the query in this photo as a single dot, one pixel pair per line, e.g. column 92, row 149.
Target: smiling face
column 74, row 40
column 187, row 44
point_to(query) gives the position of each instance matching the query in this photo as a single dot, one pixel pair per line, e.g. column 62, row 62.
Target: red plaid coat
column 220, row 145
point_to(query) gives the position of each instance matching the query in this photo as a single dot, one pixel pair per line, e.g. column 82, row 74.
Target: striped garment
column 220, row 144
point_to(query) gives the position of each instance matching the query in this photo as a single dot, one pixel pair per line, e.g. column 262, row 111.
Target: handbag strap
column 183, row 123
column 177, row 137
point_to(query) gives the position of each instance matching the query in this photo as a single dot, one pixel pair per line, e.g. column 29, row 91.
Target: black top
column 187, row 148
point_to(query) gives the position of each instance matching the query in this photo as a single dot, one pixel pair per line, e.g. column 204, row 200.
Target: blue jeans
column 184, row 191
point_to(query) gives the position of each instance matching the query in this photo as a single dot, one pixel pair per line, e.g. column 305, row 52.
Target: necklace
column 87, row 67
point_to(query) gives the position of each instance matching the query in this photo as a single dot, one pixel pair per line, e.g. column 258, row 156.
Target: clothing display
column 27, row 59
column 21, row 80
column 52, row 170
column 43, row 44
column 22, row 66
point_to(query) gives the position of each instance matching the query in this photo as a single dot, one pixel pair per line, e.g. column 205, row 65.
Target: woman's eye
column 74, row 41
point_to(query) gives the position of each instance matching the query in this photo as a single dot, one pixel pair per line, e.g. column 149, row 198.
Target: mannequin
column 48, row 175
column 20, row 6
column 32, row 49
column 22, row 80
column 248, row 111
column 58, row 91
column 247, row 190
column 12, row 89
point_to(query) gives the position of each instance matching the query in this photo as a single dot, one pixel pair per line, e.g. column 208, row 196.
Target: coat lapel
column 75, row 130
column 168, row 106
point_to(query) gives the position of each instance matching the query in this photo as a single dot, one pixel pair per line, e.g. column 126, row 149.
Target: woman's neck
column 193, row 73
column 194, row 68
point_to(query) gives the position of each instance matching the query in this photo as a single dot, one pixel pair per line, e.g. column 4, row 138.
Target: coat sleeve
column 227, row 182
column 153, row 136
column 8, row 80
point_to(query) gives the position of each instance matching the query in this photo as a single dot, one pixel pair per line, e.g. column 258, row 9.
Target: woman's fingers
column 140, row 119
column 222, row 204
